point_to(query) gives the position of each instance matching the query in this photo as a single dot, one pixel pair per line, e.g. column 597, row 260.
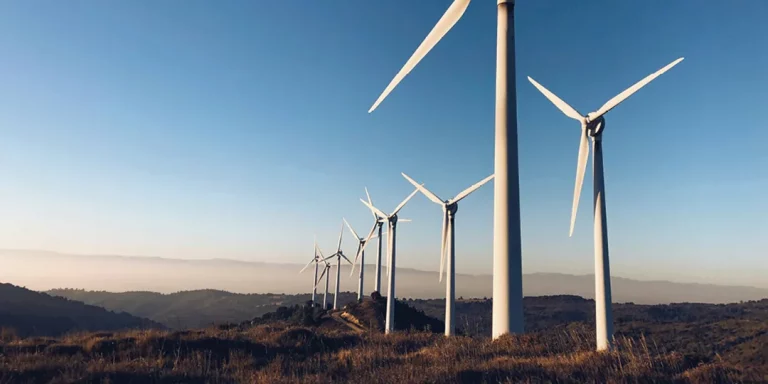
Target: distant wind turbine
column 448, row 234
column 507, row 252
column 361, row 242
column 316, row 260
column 339, row 255
column 593, row 125
column 378, row 223
column 325, row 273
column 391, row 220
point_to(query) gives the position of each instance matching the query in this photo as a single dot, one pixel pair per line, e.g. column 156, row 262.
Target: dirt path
column 337, row 317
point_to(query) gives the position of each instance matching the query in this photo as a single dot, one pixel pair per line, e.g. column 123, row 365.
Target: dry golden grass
column 281, row 353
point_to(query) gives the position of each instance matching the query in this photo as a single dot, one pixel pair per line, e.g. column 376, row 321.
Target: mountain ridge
column 165, row 275
column 34, row 313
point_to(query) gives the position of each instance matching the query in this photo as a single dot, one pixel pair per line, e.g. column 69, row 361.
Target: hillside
column 202, row 308
column 125, row 274
column 737, row 333
column 33, row 313
column 279, row 352
column 191, row 309
column 682, row 343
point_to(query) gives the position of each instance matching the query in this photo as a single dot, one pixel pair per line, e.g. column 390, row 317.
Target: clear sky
column 238, row 129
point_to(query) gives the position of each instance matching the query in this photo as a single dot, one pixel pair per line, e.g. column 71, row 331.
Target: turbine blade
column 345, row 258
column 448, row 234
column 308, row 264
column 471, row 189
column 581, row 167
column 404, row 220
column 370, row 202
column 399, row 207
column 560, row 104
column 381, row 214
column 320, row 251
column 341, row 233
column 321, row 277
column 616, row 100
column 449, row 19
column 352, row 272
column 423, row 190
column 350, row 229
column 389, row 251
column 442, row 243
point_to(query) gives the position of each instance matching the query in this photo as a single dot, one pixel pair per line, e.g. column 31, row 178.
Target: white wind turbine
column 316, row 259
column 361, row 242
column 448, row 234
column 391, row 220
column 507, row 252
column 339, row 255
column 325, row 273
column 378, row 223
column 593, row 125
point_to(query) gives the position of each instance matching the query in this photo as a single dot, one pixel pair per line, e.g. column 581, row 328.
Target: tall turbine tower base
column 450, row 284
column 377, row 273
column 390, row 319
column 603, row 313
column 360, row 277
column 507, row 250
column 325, row 297
column 314, row 286
column 336, row 288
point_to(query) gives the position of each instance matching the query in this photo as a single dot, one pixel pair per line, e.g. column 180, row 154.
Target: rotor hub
column 596, row 127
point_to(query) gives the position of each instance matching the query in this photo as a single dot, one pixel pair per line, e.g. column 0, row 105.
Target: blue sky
column 238, row 129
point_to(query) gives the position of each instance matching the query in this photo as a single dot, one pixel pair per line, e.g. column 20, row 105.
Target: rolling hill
column 34, row 313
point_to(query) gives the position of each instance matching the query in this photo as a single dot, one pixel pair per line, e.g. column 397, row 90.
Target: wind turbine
column 378, row 223
column 315, row 259
column 361, row 241
column 339, row 255
column 325, row 273
column 507, row 252
column 593, row 125
column 448, row 234
column 391, row 220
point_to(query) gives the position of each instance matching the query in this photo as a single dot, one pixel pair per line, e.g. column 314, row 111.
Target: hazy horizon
column 116, row 273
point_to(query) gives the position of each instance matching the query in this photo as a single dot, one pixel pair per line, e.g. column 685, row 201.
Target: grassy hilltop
column 302, row 345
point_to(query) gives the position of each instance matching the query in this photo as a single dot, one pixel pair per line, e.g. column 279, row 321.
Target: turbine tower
column 315, row 259
column 325, row 273
column 448, row 235
column 339, row 255
column 361, row 242
column 391, row 220
column 378, row 225
column 507, row 252
column 593, row 125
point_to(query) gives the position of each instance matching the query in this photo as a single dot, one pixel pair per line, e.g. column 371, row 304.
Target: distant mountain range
column 34, row 313
column 122, row 273
column 190, row 309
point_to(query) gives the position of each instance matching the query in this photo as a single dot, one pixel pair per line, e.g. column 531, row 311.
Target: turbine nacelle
column 595, row 127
